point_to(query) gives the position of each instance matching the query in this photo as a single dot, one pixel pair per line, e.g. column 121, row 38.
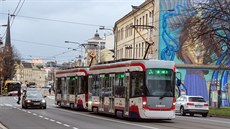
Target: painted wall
column 175, row 43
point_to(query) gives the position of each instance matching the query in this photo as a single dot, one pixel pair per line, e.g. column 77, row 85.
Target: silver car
column 192, row 105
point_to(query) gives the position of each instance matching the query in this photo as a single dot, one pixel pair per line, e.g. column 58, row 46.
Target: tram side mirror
column 178, row 83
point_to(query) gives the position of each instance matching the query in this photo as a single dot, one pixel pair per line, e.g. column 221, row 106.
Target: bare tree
column 215, row 13
column 209, row 27
column 9, row 58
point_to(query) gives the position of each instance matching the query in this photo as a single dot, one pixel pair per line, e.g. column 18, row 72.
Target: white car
column 192, row 105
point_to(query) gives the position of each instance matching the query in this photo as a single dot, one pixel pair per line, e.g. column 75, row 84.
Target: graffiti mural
column 177, row 43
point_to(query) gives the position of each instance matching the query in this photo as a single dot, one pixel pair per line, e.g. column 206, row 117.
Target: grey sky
column 35, row 31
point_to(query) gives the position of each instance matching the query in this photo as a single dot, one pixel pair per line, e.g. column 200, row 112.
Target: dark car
column 33, row 99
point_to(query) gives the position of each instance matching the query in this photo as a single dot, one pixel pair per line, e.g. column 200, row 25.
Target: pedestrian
column 19, row 95
column 50, row 91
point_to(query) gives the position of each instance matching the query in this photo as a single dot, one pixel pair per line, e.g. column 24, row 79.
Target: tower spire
column 8, row 39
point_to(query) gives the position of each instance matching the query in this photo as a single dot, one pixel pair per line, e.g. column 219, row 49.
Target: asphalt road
column 13, row 117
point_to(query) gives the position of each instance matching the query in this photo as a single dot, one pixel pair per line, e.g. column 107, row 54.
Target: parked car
column 13, row 93
column 32, row 98
column 192, row 105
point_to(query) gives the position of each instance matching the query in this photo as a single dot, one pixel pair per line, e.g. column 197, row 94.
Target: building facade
column 133, row 31
column 27, row 72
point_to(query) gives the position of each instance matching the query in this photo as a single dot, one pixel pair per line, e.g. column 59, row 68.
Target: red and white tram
column 72, row 88
column 136, row 89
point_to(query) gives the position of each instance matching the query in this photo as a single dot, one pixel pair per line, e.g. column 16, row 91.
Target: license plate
column 198, row 106
column 36, row 103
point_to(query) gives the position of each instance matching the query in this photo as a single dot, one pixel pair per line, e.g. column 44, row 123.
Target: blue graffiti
column 171, row 43
column 215, row 75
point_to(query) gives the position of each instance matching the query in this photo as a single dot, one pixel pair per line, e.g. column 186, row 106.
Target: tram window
column 159, row 82
column 95, row 85
column 72, row 84
column 58, row 81
column 119, row 85
column 63, row 86
column 82, row 84
column 137, row 84
column 105, row 92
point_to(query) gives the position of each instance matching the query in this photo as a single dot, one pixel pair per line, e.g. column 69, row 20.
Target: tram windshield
column 160, row 82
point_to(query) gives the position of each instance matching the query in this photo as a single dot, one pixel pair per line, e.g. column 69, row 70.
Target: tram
column 142, row 89
column 72, row 88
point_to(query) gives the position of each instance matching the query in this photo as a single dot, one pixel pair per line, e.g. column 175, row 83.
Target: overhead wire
column 37, row 43
column 15, row 13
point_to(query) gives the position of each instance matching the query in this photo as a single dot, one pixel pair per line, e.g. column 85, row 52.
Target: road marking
column 46, row 118
column 58, row 122
column 52, row 120
column 66, row 125
column 122, row 122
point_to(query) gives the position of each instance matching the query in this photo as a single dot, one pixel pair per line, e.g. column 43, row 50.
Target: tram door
column 112, row 90
column 127, row 87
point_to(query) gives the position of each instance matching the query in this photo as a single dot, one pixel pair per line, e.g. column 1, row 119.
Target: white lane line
column 35, row 114
column 40, row 116
column 46, row 118
column 66, row 125
column 122, row 122
column 29, row 112
column 75, row 128
column 58, row 122
column 52, row 120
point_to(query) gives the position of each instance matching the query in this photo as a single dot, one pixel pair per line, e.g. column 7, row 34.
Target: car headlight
column 28, row 101
column 43, row 101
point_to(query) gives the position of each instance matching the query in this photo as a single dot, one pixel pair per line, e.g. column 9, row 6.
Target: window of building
column 140, row 24
column 142, row 48
column 139, row 50
column 126, row 31
column 131, row 29
column 122, row 33
column 143, row 23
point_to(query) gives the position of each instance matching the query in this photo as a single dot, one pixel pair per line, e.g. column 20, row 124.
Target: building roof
column 27, row 65
column 96, row 37
column 132, row 12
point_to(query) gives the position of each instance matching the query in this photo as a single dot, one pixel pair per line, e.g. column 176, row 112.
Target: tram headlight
column 89, row 102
